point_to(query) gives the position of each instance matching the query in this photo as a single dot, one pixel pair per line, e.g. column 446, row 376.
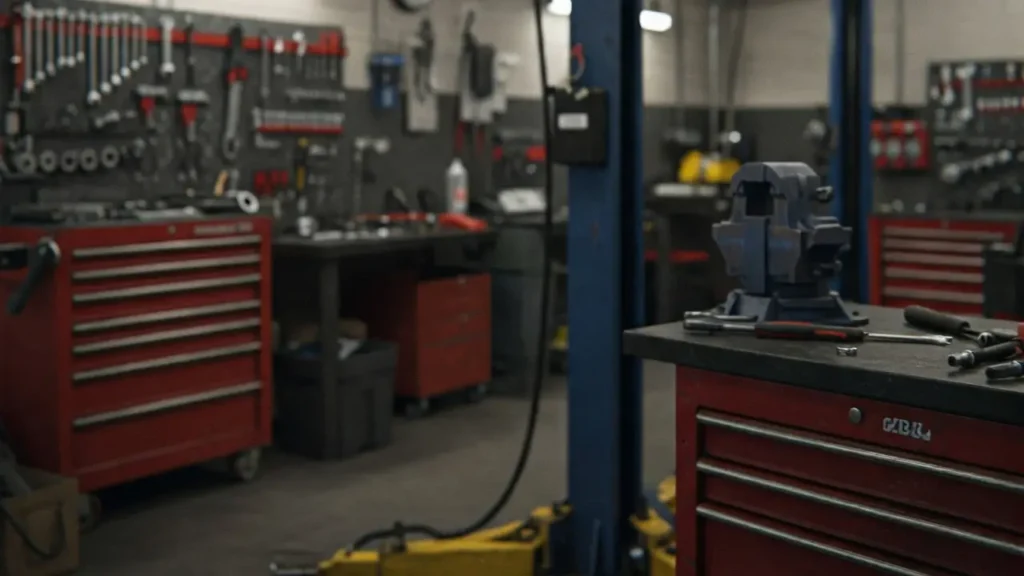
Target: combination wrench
column 166, row 37
column 103, row 53
column 142, row 48
column 114, row 52
column 49, row 23
column 60, row 21
column 40, row 36
column 28, row 84
column 92, row 23
column 135, row 40
column 124, row 33
column 81, row 32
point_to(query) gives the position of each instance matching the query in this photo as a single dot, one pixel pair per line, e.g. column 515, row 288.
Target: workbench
column 812, row 462
column 292, row 254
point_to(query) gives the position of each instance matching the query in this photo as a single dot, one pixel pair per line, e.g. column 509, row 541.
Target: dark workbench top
column 908, row 374
column 299, row 247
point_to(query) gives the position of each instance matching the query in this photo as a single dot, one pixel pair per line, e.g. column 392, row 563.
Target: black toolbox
column 365, row 397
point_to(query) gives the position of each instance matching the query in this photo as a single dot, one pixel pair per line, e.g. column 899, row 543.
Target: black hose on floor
column 400, row 530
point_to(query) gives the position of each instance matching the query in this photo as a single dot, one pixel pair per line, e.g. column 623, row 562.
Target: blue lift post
column 605, row 287
column 851, row 172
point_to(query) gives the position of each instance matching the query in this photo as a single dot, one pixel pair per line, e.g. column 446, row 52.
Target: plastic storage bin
column 366, row 381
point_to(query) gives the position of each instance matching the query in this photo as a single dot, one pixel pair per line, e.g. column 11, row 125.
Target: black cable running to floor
column 399, row 530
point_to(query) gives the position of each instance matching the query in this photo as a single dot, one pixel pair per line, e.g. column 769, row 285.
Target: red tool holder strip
column 295, row 129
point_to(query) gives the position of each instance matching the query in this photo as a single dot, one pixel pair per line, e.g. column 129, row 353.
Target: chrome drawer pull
column 165, row 336
column 166, row 405
column 934, row 275
column 164, row 267
column 170, row 246
column 864, row 454
column 933, row 246
column 164, row 316
column 933, row 295
column 934, row 259
column 165, row 362
column 878, row 513
column 162, row 289
column 835, row 552
column 940, row 234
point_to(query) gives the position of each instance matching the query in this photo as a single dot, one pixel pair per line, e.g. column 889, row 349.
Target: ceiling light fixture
column 560, row 7
column 654, row 19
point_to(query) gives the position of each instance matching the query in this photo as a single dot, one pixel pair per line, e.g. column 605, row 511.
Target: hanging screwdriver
column 935, row 321
column 812, row 332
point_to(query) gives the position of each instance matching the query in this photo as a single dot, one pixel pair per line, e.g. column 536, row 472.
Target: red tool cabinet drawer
column 908, row 486
column 157, row 337
column 931, row 262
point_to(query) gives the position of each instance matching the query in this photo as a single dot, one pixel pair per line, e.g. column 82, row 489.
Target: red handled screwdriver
column 812, row 332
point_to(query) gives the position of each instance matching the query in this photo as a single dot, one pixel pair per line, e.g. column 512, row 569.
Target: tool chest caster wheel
column 90, row 512
column 245, row 465
column 417, row 408
column 476, row 394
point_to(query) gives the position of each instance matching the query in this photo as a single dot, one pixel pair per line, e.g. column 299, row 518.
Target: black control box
column 580, row 136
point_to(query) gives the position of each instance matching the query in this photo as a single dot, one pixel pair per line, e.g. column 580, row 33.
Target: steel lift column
column 850, row 172
column 605, row 293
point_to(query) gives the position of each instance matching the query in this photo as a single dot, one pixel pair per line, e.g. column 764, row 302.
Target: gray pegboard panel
column 61, row 120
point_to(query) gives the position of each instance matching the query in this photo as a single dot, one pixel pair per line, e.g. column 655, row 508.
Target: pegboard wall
column 126, row 137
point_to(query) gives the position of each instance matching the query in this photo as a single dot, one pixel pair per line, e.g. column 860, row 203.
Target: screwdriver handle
column 994, row 353
column 935, row 321
column 1011, row 369
column 803, row 331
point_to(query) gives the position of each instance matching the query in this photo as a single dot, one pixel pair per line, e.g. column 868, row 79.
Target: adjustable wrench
column 40, row 47
column 123, row 35
column 103, row 52
column 115, row 50
column 28, row 84
column 235, row 77
column 166, row 36
column 142, row 48
column 61, row 20
column 81, row 32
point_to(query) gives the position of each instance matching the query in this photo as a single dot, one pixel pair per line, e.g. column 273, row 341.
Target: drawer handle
column 165, row 362
column 835, row 552
column 162, row 289
column 934, row 275
column 165, row 336
column 933, row 295
column 933, row 246
column 170, row 246
column 164, row 316
column 934, row 259
column 937, row 233
column 164, row 267
column 166, row 405
column 878, row 513
column 966, row 476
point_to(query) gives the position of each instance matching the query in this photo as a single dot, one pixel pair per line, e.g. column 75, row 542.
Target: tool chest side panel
column 800, row 471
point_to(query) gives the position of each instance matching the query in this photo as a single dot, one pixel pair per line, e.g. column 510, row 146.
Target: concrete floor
column 443, row 470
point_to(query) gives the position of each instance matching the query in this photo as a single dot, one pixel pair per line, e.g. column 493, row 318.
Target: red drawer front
column 454, row 364
column 438, row 299
column 827, row 464
column 934, row 263
column 737, row 543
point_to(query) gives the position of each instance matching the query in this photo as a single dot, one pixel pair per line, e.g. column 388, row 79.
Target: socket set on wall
column 976, row 115
column 160, row 103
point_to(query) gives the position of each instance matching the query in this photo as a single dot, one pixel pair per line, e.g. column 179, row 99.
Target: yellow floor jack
column 515, row 549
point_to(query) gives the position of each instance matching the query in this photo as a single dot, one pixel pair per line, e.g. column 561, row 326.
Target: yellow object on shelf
column 561, row 340
column 703, row 168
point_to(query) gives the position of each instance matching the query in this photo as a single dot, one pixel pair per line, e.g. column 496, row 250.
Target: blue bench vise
column 784, row 255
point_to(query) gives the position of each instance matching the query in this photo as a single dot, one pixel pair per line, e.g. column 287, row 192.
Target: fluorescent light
column 560, row 7
column 655, row 20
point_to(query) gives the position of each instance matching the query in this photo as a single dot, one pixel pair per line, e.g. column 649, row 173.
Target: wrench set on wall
column 177, row 104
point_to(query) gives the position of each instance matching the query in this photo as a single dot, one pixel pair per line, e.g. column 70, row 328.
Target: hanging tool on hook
column 190, row 98
column 235, row 76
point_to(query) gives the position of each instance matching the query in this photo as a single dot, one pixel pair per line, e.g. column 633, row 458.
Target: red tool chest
column 809, row 483
column 443, row 330
column 931, row 262
column 146, row 348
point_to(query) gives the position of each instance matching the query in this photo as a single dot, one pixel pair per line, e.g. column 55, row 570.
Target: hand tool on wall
column 141, row 41
column 122, row 35
column 93, row 95
column 114, row 50
column 811, row 332
column 190, row 99
column 360, row 175
column 22, row 50
column 149, row 97
column 81, row 33
column 39, row 39
column 279, row 68
column 297, row 95
column 265, row 80
column 50, row 38
column 235, row 77
column 301, row 164
column 167, row 46
column 103, row 54
column 300, row 52
column 60, row 22
column 935, row 321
